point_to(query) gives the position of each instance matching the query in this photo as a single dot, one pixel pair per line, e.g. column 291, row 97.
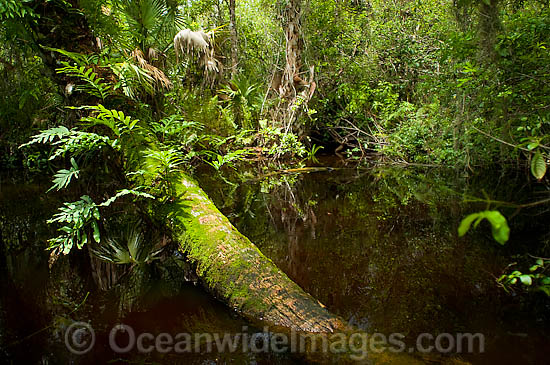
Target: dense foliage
column 122, row 95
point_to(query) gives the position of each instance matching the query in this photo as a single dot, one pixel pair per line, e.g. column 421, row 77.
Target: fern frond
column 114, row 119
column 78, row 142
column 79, row 58
column 93, row 84
column 63, row 177
column 48, row 135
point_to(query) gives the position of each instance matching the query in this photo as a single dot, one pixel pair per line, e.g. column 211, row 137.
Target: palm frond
column 132, row 77
column 129, row 247
column 155, row 73
column 187, row 41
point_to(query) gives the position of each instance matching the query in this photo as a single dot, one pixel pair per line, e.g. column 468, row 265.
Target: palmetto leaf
column 144, row 16
column 128, row 248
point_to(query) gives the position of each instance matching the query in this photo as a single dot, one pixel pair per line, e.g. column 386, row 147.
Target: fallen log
column 235, row 271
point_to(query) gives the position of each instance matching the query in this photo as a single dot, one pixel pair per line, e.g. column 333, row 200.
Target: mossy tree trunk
column 236, row 272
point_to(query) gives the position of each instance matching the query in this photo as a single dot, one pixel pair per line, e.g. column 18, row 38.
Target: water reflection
column 380, row 248
column 38, row 304
column 377, row 246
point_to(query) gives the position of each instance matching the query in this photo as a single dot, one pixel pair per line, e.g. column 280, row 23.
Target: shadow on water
column 376, row 246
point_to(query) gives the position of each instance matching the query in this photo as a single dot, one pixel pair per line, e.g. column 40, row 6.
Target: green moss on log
column 235, row 270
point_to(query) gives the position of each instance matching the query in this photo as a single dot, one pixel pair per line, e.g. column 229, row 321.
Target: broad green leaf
column 464, row 226
column 545, row 289
column 526, row 279
column 500, row 229
column 538, row 166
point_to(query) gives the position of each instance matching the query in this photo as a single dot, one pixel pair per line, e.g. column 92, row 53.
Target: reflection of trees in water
column 291, row 211
column 105, row 274
column 379, row 247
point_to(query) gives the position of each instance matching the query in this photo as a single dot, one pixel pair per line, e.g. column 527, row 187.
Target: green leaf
column 97, row 236
column 526, row 280
column 63, row 177
column 545, row 289
column 538, row 166
column 500, row 229
column 464, row 226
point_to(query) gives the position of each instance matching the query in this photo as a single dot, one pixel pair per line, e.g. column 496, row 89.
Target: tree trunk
column 490, row 26
column 236, row 272
column 233, row 36
column 294, row 46
column 293, row 89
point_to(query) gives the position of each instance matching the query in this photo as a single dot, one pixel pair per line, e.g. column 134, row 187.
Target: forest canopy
column 443, row 82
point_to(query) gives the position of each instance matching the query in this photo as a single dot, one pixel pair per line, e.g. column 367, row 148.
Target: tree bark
column 294, row 45
column 236, row 272
column 294, row 91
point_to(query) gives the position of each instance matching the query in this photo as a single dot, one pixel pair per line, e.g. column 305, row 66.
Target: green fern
column 82, row 142
column 76, row 215
column 63, row 177
column 48, row 136
column 164, row 162
column 93, row 84
column 79, row 58
column 111, row 118
column 81, row 216
column 73, row 141
column 173, row 127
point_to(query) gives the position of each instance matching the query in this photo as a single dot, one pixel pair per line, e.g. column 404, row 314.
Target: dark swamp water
column 376, row 246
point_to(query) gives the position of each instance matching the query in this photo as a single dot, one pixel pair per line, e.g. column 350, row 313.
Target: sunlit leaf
column 526, row 279
column 500, row 229
column 97, row 236
column 538, row 166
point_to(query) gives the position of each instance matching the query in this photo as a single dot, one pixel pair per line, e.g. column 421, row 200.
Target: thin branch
column 500, row 140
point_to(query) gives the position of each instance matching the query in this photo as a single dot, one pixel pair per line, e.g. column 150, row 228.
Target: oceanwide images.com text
column 80, row 339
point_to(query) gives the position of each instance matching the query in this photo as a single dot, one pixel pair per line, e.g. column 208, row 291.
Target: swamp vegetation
column 326, row 167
